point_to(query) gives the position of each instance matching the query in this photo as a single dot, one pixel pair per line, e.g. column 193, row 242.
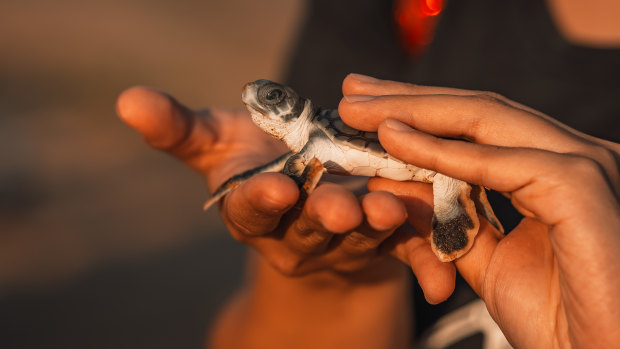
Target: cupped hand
column 333, row 231
column 553, row 280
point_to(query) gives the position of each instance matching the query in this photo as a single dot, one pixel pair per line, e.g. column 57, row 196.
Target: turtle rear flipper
column 455, row 222
column 483, row 207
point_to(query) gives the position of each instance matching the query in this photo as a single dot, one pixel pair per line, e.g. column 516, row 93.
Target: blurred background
column 103, row 241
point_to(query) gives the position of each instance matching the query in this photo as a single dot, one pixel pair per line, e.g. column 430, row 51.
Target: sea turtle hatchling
column 312, row 133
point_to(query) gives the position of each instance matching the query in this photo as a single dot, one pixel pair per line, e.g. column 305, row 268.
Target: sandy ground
column 103, row 242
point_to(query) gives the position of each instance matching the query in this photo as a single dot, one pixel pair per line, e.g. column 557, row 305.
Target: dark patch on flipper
column 451, row 236
column 455, row 222
column 483, row 207
column 295, row 167
column 236, row 180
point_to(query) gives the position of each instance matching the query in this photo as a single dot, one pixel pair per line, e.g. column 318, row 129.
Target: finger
column 479, row 119
column 473, row 266
column 420, row 211
column 436, row 278
column 411, row 245
column 511, row 168
column 569, row 140
column 384, row 213
column 357, row 84
column 164, row 123
column 330, row 209
column 512, row 124
column 417, row 197
column 256, row 207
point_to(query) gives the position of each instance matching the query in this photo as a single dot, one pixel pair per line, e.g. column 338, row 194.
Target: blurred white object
column 465, row 322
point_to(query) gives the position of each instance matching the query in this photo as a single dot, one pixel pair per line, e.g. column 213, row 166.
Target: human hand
column 552, row 281
column 334, row 231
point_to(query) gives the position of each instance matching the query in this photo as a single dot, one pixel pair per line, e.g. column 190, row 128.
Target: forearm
column 321, row 310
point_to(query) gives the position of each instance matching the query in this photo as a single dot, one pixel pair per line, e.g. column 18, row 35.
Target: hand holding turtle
column 333, row 239
column 552, row 281
column 220, row 143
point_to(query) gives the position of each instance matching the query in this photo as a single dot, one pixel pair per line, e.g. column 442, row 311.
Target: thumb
column 163, row 122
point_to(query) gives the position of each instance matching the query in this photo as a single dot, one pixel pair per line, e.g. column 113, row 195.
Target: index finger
column 480, row 119
column 357, row 84
column 499, row 168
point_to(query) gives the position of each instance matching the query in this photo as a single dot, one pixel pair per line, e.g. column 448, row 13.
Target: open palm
column 334, row 230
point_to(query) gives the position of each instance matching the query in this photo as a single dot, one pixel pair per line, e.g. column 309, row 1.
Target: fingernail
column 358, row 98
column 397, row 125
column 364, row 78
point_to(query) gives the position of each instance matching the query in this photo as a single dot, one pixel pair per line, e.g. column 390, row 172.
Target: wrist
column 383, row 272
column 363, row 309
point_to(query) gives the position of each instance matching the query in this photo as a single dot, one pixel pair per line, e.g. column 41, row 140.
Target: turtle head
column 274, row 107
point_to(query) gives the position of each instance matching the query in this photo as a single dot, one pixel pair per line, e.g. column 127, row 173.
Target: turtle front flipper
column 455, row 222
column 309, row 179
column 275, row 166
column 305, row 171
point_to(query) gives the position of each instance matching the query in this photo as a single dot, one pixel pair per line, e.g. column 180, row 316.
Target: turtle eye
column 274, row 95
column 271, row 95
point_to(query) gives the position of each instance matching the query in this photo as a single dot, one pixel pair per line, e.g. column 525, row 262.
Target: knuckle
column 604, row 156
column 483, row 99
column 245, row 229
column 476, row 126
column 238, row 236
column 239, row 228
column 583, row 167
column 475, row 129
column 359, row 242
column 311, row 242
column 287, row 265
column 434, row 158
column 490, row 97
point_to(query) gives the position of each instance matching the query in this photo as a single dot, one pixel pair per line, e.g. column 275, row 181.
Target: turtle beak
column 245, row 92
column 248, row 96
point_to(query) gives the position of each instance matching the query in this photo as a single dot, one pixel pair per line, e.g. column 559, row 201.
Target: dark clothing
column 511, row 47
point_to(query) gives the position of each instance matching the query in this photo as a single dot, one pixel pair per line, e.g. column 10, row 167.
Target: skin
column 320, row 259
column 551, row 282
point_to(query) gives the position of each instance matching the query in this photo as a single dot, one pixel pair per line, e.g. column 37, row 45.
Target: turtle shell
column 341, row 134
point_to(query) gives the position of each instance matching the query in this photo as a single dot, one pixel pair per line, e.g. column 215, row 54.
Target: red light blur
column 416, row 21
